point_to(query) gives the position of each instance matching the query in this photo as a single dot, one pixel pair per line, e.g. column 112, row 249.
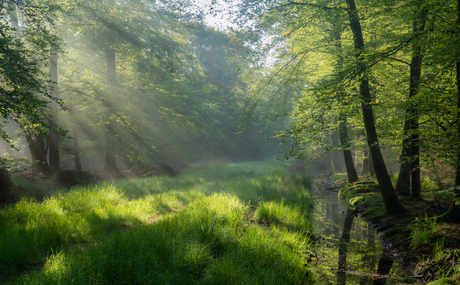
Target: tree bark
column 352, row 174
column 453, row 214
column 76, row 149
column 390, row 200
column 337, row 161
column 414, row 84
column 403, row 183
column 110, row 164
column 38, row 153
column 53, row 134
column 7, row 188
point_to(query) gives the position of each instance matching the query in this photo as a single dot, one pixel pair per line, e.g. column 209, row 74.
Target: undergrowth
column 238, row 224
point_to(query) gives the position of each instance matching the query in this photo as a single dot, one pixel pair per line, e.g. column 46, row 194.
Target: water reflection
column 349, row 249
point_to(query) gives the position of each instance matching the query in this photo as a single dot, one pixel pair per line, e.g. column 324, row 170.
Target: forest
column 221, row 121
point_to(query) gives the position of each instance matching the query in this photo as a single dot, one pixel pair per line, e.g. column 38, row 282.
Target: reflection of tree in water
column 335, row 214
column 385, row 263
column 369, row 260
column 344, row 242
column 384, row 268
column 327, row 196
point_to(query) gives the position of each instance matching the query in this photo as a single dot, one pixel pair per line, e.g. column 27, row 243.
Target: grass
column 423, row 230
column 237, row 224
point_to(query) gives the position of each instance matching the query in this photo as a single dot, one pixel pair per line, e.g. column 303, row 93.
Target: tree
column 390, row 200
column 23, row 53
column 410, row 156
column 453, row 214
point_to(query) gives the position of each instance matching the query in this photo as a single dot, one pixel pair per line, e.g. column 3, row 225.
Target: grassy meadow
column 246, row 223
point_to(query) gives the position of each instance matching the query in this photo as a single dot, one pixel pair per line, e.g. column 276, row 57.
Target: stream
column 349, row 250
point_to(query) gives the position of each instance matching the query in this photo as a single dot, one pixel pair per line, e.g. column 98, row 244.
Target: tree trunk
column 414, row 84
column 453, row 214
column 352, row 174
column 110, row 164
column 365, row 169
column 7, row 188
column 53, row 134
column 328, row 158
column 337, row 161
column 38, row 153
column 390, row 200
column 403, row 183
column 76, row 150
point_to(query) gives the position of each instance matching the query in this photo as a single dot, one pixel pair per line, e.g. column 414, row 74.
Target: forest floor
column 429, row 248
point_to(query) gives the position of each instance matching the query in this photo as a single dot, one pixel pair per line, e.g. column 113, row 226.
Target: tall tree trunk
column 110, row 164
column 453, row 214
column 414, row 84
column 352, row 174
column 76, row 149
column 403, row 183
column 337, row 161
column 53, row 134
column 328, row 157
column 365, row 169
column 410, row 161
column 390, row 200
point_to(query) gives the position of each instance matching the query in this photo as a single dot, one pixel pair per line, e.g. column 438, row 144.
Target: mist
column 146, row 89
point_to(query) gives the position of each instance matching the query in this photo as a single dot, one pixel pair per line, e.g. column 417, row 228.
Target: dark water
column 349, row 251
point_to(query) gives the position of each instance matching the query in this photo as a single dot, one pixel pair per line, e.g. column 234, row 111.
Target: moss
column 356, row 200
column 373, row 212
column 361, row 187
column 393, row 232
column 359, row 192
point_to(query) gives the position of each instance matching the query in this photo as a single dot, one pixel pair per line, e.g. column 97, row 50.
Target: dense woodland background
column 153, row 86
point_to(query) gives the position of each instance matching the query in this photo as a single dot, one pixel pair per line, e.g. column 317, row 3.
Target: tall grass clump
column 237, row 224
column 422, row 231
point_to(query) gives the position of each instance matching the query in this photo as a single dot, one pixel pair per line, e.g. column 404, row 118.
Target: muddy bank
column 428, row 248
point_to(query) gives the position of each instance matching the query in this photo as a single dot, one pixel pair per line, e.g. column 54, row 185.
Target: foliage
column 24, row 52
column 422, row 231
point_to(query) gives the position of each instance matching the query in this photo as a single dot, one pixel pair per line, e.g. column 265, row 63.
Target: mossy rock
column 355, row 189
column 356, row 200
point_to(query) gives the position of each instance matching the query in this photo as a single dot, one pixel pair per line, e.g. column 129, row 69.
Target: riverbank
column 428, row 248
